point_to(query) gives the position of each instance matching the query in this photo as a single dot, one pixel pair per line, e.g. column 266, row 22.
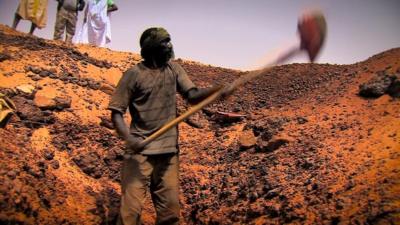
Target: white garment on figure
column 97, row 29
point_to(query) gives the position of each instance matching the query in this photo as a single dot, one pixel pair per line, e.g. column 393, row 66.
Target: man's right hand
column 227, row 91
column 134, row 144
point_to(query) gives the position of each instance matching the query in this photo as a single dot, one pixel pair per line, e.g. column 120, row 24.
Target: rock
column 376, row 87
column 4, row 57
column 44, row 102
column 271, row 211
column 42, row 164
column 36, row 77
column 9, row 74
column 106, row 88
column 253, row 197
column 35, row 69
column 63, row 102
column 55, row 164
column 27, row 68
column 265, row 129
column 53, row 75
column 276, row 142
column 52, row 70
column 47, row 103
column 394, row 89
column 26, row 88
column 87, row 163
column 12, row 174
column 48, row 155
column 30, row 114
column 272, row 193
column 94, row 85
column 44, row 73
column 247, row 139
column 301, row 120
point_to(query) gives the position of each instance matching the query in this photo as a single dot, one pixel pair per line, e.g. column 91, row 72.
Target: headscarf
column 150, row 41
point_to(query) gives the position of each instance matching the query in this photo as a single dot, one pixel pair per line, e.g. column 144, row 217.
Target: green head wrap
column 152, row 37
column 150, row 43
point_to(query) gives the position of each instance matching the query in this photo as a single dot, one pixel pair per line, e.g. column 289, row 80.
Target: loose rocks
column 379, row 86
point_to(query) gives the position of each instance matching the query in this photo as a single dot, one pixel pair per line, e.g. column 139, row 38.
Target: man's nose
column 169, row 45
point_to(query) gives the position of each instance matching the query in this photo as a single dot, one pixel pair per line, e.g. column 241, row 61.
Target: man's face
column 156, row 46
column 165, row 51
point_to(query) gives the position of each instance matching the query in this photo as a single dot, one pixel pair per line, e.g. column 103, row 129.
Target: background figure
column 33, row 10
column 96, row 29
column 67, row 15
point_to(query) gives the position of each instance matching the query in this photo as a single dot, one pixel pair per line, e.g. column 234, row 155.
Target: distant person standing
column 96, row 29
column 33, row 10
column 67, row 16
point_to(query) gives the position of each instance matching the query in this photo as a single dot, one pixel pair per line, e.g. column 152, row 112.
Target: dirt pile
column 307, row 146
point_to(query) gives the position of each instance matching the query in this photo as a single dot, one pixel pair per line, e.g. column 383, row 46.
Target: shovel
column 312, row 31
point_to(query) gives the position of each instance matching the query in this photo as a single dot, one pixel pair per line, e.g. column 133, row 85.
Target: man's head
column 156, row 47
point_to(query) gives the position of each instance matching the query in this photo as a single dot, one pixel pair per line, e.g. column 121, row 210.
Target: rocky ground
column 312, row 143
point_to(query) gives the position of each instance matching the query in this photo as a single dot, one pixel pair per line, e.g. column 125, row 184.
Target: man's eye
column 166, row 40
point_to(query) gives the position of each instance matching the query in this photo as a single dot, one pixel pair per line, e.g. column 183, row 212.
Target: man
column 67, row 15
column 148, row 89
column 33, row 10
column 96, row 28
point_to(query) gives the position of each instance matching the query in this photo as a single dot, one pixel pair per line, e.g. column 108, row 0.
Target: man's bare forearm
column 132, row 142
column 112, row 8
column 120, row 124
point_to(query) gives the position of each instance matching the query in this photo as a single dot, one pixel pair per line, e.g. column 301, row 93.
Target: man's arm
column 196, row 95
column 81, row 5
column 86, row 13
column 119, row 124
column 59, row 5
column 132, row 142
column 112, row 8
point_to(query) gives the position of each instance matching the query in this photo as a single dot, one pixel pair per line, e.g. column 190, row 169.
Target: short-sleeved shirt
column 150, row 95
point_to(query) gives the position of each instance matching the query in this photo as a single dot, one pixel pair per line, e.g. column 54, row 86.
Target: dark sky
column 239, row 33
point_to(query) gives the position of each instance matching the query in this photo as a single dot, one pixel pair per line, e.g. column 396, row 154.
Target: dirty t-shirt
column 150, row 95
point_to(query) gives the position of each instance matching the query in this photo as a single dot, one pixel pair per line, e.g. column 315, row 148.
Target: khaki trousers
column 160, row 174
column 65, row 20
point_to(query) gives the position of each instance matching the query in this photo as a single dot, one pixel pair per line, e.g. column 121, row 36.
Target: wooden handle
column 182, row 117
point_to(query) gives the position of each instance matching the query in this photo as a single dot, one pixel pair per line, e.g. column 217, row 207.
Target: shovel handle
column 182, row 117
